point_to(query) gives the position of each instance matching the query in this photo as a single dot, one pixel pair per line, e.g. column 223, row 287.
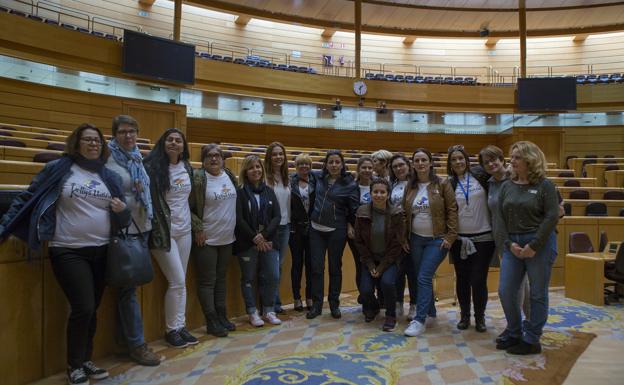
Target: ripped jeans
column 268, row 270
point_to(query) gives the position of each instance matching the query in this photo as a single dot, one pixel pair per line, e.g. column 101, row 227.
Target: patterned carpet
column 350, row 351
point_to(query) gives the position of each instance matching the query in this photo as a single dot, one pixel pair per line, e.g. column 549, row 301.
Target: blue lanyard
column 467, row 190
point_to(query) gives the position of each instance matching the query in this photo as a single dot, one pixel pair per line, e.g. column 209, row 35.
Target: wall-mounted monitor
column 546, row 94
column 158, row 58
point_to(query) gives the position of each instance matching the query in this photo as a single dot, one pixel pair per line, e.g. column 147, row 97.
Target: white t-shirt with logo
column 474, row 217
column 396, row 196
column 305, row 196
column 365, row 196
column 177, row 199
column 422, row 223
column 82, row 211
column 219, row 219
column 282, row 193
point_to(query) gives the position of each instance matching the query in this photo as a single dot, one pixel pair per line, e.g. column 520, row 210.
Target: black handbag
column 129, row 260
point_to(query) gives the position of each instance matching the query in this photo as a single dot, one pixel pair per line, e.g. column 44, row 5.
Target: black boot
column 480, row 324
column 214, row 327
column 315, row 311
column 221, row 315
column 464, row 322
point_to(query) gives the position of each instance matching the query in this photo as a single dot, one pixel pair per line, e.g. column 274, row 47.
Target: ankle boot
column 222, row 317
column 214, row 327
column 480, row 324
column 464, row 322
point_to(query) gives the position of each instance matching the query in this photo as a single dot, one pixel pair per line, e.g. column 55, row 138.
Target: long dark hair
column 343, row 170
column 433, row 178
column 157, row 161
column 268, row 164
column 360, row 162
column 393, row 177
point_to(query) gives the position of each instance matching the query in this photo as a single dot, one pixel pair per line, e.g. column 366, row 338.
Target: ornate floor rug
column 351, row 352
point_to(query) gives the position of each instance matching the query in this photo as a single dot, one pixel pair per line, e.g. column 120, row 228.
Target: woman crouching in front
column 379, row 233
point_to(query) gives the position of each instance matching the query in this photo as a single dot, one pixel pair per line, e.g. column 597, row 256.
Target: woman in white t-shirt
column 400, row 172
column 213, row 217
column 473, row 250
column 364, row 178
column 276, row 168
column 170, row 186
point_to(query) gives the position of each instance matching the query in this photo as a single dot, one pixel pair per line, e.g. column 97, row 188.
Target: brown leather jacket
column 443, row 209
column 394, row 236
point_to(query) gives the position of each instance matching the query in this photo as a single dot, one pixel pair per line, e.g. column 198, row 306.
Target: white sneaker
column 412, row 312
column 255, row 320
column 399, row 309
column 414, row 329
column 271, row 318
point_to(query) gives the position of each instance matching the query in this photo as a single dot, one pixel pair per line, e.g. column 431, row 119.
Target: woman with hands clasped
column 431, row 214
column 528, row 210
column 379, row 232
column 257, row 220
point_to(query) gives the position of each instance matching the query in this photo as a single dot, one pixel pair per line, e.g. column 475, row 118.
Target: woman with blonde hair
column 257, row 220
column 380, row 163
column 276, row 168
column 528, row 211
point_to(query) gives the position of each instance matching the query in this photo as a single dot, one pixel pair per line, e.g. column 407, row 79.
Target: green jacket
column 198, row 197
column 160, row 237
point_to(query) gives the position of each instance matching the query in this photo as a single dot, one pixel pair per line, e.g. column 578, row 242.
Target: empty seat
column 613, row 195
column 458, row 80
column 567, row 209
column 469, row 80
column 428, row 79
column 604, row 78
column 596, row 209
column 226, row 154
column 448, row 80
column 419, row 79
column 369, row 76
column 56, row 146
column 18, row 13
column 35, row 17
column 566, row 174
column 572, row 183
column 581, row 79
column 4, row 133
column 239, row 61
column 579, row 194
column 617, row 78
column 50, row 21
column 12, row 143
column 217, row 57
column 591, row 79
column 41, row 137
column 389, row 77
column 45, row 157
column 612, row 167
column 205, row 55
column 604, row 240
column 579, row 242
column 227, row 59
column 68, row 26
column 7, row 128
column 82, row 29
column 409, row 78
column 438, row 79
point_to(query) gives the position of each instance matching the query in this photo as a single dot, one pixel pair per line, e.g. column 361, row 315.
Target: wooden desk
column 594, row 192
column 576, row 164
column 578, row 206
column 597, row 170
column 614, row 178
column 584, row 277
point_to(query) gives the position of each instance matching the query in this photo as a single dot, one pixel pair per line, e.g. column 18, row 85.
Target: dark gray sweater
column 526, row 209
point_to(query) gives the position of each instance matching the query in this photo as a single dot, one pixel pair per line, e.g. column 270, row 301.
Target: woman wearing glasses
column 472, row 252
column 213, row 207
column 74, row 203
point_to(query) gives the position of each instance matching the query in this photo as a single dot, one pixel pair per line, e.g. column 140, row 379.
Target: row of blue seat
column 257, row 62
column 600, row 79
column 469, row 80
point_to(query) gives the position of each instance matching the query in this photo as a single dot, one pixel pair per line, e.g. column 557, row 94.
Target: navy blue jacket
column 335, row 206
column 32, row 215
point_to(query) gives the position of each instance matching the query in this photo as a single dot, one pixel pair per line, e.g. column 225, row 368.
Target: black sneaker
column 507, row 343
column 335, row 312
column 77, row 376
column 463, row 323
column 480, row 324
column 188, row 337
column 93, row 372
column 389, row 324
column 525, row 348
column 174, row 339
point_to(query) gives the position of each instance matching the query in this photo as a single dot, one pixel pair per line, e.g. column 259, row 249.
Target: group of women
column 399, row 218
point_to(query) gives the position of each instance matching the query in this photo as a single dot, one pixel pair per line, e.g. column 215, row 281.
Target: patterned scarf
column 133, row 162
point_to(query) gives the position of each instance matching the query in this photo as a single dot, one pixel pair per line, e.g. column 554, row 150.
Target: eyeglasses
column 126, row 132
column 457, row 147
column 95, row 141
column 213, row 156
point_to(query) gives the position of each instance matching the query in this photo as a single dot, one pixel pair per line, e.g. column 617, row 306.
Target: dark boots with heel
column 214, row 326
column 221, row 315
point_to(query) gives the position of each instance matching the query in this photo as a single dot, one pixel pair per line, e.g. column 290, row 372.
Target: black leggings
column 80, row 273
column 471, row 275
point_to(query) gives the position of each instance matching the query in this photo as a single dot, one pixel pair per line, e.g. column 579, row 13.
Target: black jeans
column 80, row 273
column 471, row 277
column 299, row 243
column 333, row 243
column 406, row 269
column 211, row 263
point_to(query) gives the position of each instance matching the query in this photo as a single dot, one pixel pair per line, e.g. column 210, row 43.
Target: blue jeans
column 332, row 242
column 405, row 270
column 129, row 317
column 283, row 234
column 512, row 273
column 249, row 260
column 387, row 282
column 426, row 257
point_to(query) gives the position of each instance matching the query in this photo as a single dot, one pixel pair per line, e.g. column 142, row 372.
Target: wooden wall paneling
column 21, row 358
column 614, row 178
column 550, row 141
column 614, row 226
column 56, row 311
column 155, row 118
column 557, row 276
